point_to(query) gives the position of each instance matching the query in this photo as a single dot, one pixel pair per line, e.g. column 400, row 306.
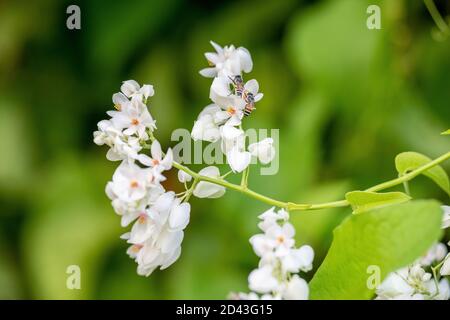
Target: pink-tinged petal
column 140, row 232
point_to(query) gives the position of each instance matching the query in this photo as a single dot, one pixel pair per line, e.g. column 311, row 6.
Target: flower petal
column 179, row 216
column 238, row 160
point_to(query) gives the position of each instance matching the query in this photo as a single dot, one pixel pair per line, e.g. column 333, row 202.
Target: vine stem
column 291, row 206
column 440, row 22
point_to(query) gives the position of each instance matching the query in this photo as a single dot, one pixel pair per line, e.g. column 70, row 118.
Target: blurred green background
column 346, row 100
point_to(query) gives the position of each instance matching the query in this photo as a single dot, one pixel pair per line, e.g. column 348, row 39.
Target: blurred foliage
column 346, row 100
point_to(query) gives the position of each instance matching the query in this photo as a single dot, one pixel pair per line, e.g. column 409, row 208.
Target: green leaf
column 364, row 200
column 408, row 161
column 389, row 238
column 446, row 132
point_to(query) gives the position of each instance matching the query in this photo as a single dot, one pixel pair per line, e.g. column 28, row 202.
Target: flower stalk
column 291, row 206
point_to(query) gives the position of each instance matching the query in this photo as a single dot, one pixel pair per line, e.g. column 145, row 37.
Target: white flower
column 444, row 290
column 135, row 192
column 238, row 160
column 135, row 119
column 142, row 229
column 262, row 245
column 232, row 106
column 395, row 285
column 120, row 101
column 436, row 253
column 131, row 89
column 271, row 217
column 263, row 150
column 296, row 289
column 157, row 235
column 446, row 217
column 228, row 61
column 183, row 176
column 280, row 260
column 205, row 129
column 130, row 182
column 157, row 162
column 130, row 211
column 262, row 280
column 124, row 149
column 418, row 275
column 121, row 147
column 232, row 136
column 445, row 269
column 252, row 86
column 106, row 133
column 283, row 236
column 179, row 216
column 207, row 189
column 298, row 259
column 412, row 283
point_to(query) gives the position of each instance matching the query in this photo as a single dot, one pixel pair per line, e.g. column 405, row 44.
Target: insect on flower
column 238, row 84
column 249, row 99
column 246, row 95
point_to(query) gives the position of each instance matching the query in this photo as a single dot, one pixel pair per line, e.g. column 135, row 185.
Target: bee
column 249, row 102
column 238, row 84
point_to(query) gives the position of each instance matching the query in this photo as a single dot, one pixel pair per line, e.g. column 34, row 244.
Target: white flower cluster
column 232, row 100
column 136, row 192
column 414, row 282
column 277, row 274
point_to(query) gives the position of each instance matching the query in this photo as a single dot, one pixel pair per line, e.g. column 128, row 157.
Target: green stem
column 411, row 175
column 244, row 180
column 440, row 22
column 291, row 206
column 190, row 190
column 406, row 187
